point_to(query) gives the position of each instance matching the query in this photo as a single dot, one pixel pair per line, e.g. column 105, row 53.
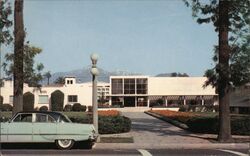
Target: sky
column 141, row 36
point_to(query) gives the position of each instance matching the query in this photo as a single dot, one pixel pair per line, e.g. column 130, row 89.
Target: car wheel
column 64, row 143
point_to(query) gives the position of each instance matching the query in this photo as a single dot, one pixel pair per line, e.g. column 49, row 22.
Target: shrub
column 80, row 119
column 240, row 125
column 67, row 108
column 216, row 108
column 77, row 107
column 203, row 125
column 57, row 99
column 209, row 108
column 90, row 109
column 43, row 108
column 6, row 107
column 114, row 124
column 184, row 108
column 1, row 100
column 28, row 101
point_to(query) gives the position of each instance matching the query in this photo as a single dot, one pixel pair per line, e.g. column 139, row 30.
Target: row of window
column 129, row 86
column 44, row 99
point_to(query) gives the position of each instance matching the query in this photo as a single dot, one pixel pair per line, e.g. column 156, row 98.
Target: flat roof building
column 145, row 91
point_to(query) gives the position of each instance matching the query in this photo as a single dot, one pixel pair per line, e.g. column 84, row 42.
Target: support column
column 148, row 101
column 166, row 102
column 202, row 102
column 135, row 101
column 110, row 101
column 184, row 101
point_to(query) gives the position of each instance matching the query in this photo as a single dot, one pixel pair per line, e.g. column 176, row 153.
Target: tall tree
column 231, row 19
column 48, row 76
column 5, row 24
column 19, row 36
column 32, row 75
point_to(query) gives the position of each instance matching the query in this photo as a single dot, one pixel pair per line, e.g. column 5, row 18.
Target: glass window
column 72, row 98
column 11, row 99
column 44, row 118
column 141, row 86
column 43, row 99
column 23, row 118
column 117, row 86
column 129, row 86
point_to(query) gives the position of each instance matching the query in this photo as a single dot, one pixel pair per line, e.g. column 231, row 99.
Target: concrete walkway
column 151, row 133
column 149, row 130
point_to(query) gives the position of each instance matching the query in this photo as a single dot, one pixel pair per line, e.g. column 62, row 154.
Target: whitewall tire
column 64, row 143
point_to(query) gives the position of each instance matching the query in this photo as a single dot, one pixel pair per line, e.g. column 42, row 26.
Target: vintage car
column 42, row 127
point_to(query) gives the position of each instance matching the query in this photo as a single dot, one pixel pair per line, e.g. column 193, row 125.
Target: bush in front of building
column 184, row 108
column 6, row 107
column 67, row 108
column 1, row 100
column 114, row 124
column 77, row 107
column 57, row 99
column 43, row 108
column 107, row 124
column 28, row 101
column 90, row 109
column 203, row 124
column 240, row 124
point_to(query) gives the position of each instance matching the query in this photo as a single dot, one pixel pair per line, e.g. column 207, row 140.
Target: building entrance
column 129, row 101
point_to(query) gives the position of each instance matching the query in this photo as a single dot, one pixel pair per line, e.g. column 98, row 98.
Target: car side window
column 23, row 118
column 44, row 118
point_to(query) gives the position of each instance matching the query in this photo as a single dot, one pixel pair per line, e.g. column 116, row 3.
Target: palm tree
column 48, row 76
column 19, row 35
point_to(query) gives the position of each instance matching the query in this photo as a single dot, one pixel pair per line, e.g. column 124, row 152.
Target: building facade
column 133, row 91
column 73, row 92
column 144, row 91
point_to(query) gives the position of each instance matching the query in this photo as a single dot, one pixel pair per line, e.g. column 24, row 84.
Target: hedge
column 115, row 124
column 107, row 124
column 240, row 125
column 6, row 107
column 206, row 122
column 77, row 107
column 67, row 108
column 43, row 108
column 1, row 100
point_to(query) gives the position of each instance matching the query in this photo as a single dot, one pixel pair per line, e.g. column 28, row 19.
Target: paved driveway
column 149, row 130
column 151, row 133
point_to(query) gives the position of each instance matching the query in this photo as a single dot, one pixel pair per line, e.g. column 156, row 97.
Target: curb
column 172, row 146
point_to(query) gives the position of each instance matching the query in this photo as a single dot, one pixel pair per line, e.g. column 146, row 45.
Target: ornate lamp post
column 95, row 73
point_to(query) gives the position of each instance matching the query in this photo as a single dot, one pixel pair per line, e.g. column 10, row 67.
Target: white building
column 132, row 91
column 144, row 91
column 73, row 92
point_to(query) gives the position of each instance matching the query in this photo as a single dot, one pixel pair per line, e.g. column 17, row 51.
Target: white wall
column 82, row 90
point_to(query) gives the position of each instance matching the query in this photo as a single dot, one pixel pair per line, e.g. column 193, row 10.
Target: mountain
column 172, row 75
column 84, row 75
column 164, row 75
